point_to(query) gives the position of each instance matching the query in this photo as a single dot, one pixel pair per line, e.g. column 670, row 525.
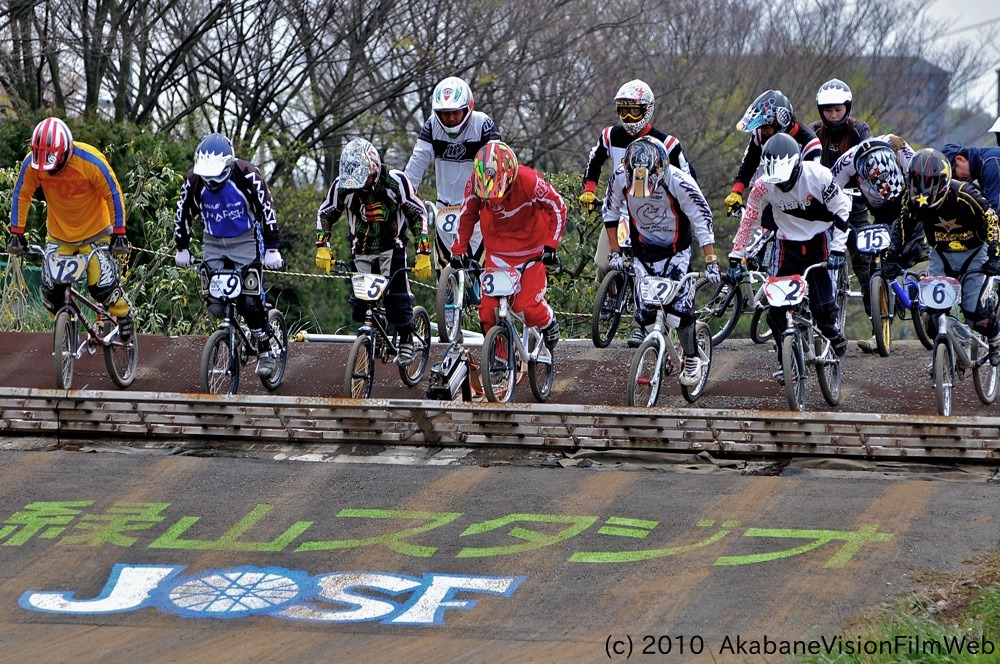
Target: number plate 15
column 939, row 292
column 873, row 239
column 785, row 291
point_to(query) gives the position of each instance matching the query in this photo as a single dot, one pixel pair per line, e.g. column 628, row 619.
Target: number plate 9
column 225, row 285
column 657, row 290
column 939, row 292
column 497, row 282
column 785, row 291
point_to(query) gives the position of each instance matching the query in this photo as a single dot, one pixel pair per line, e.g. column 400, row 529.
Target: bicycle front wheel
column 220, row 370
column 703, row 339
column 644, row 374
column 277, row 337
column 412, row 374
column 719, row 306
column 541, row 371
column 64, row 344
column 608, row 308
column 448, row 309
column 500, row 364
column 944, row 372
column 794, row 367
column 922, row 322
column 984, row 375
column 879, row 295
column 828, row 373
column 121, row 359
column 843, row 283
column 360, row 368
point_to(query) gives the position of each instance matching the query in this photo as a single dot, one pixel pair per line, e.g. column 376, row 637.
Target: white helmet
column 634, row 103
column 834, row 93
column 452, row 94
column 358, row 161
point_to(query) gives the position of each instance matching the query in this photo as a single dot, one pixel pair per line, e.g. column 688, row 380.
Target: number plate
column 873, row 239
column 498, row 282
column 657, row 290
column 66, row 269
column 939, row 292
column 785, row 291
column 369, row 286
column 446, row 219
column 225, row 285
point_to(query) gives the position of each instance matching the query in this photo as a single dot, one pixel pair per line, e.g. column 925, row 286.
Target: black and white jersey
column 814, row 204
column 452, row 156
column 612, row 145
column 803, row 135
column 661, row 224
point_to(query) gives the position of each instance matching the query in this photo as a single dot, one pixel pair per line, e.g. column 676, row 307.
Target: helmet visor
column 629, row 112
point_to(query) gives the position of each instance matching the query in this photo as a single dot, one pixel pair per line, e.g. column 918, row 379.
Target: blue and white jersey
column 452, row 156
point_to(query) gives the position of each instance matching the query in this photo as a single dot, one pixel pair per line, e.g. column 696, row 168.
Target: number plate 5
column 368, row 286
column 939, row 292
column 785, row 291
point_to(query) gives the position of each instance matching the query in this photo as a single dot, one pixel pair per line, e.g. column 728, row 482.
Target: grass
column 946, row 608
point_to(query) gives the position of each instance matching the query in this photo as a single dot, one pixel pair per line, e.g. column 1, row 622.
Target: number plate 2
column 785, row 291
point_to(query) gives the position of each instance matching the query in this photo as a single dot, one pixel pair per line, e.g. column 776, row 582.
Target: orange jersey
column 83, row 199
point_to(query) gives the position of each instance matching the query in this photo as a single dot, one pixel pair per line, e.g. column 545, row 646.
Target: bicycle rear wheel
column 828, row 374
column 644, row 375
column 793, row 365
column 449, row 313
column 944, row 373
column 719, row 306
column 412, row 373
column 541, row 371
column 65, row 336
column 611, row 301
column 703, row 339
column 278, row 339
column 121, row 359
column 360, row 368
column 843, row 283
column 882, row 315
column 220, row 369
column 984, row 375
column 500, row 363
column 760, row 331
column 922, row 322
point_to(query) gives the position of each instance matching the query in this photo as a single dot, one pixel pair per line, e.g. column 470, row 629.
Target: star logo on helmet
column 921, row 199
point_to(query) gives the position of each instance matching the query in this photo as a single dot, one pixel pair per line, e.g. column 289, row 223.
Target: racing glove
column 323, row 258
column 120, row 245
column 616, row 261
column 273, row 259
column 549, row 257
column 183, row 258
column 422, row 266
column 836, row 260
column 734, row 201
column 16, row 244
column 736, row 270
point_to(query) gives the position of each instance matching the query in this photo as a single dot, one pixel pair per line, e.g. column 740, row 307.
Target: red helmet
column 494, row 169
column 51, row 145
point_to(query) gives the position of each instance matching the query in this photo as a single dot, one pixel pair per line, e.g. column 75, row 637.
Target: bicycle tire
column 644, row 376
column 65, row 335
column 449, row 315
column 220, row 368
column 843, row 284
column 760, row 331
column 278, row 339
column 921, row 324
column 793, row 365
column 500, row 361
column 613, row 293
column 943, row 374
column 828, row 374
column 414, row 372
column 121, row 359
column 541, row 372
column 360, row 374
column 879, row 299
column 719, row 306
column 703, row 340
column 985, row 376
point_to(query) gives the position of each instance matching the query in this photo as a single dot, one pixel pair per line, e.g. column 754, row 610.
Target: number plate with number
column 497, row 282
column 66, row 269
column 447, row 219
column 873, row 239
column 369, row 286
column 939, row 292
column 657, row 290
column 225, row 285
column 785, row 291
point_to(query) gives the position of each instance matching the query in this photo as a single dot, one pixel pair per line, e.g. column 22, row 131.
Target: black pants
column 793, row 258
column 397, row 299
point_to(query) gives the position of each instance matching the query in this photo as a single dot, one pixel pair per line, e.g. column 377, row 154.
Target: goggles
column 631, row 112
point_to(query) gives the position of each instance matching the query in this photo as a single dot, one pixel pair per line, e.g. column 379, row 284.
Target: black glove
column 891, row 269
column 549, row 257
column 991, row 268
column 16, row 244
column 120, row 245
column 459, row 261
column 735, row 271
column 836, row 260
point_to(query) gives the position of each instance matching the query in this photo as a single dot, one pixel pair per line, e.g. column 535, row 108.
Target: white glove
column 183, row 258
column 272, row 259
column 712, row 273
column 615, row 261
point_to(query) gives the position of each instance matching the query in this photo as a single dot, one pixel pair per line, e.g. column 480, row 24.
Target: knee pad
column 107, row 294
column 215, row 307
column 52, row 298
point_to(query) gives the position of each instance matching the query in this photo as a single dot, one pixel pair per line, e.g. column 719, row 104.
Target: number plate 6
column 657, row 290
column 66, row 269
column 785, row 291
column 225, row 285
column 873, row 239
column 939, row 292
column 498, row 282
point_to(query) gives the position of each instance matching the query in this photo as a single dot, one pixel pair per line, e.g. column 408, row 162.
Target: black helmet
column 834, row 93
column 770, row 108
column 927, row 178
column 780, row 161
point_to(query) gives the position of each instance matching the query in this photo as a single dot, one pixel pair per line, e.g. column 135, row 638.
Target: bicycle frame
column 666, row 334
column 959, row 335
column 523, row 337
column 799, row 320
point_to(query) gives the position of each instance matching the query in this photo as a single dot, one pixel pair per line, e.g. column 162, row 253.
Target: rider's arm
column 614, row 203
column 261, row 202
column 329, row 212
column 692, row 201
column 974, row 204
column 675, row 153
column 839, row 206
column 598, row 155
column 187, row 209
column 423, row 155
column 468, row 218
column 411, row 205
column 751, row 160
column 750, row 219
column 24, row 189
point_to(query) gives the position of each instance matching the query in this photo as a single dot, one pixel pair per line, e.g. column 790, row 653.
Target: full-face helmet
column 452, row 94
column 879, row 175
column 770, row 108
column 928, row 177
column 634, row 104
column 645, row 162
column 213, row 160
column 781, row 161
column 360, row 165
column 494, row 169
column 51, row 145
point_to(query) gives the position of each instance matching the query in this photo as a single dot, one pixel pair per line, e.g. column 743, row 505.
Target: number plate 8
column 447, row 219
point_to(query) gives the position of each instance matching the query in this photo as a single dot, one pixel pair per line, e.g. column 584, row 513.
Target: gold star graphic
column 948, row 224
column 921, row 199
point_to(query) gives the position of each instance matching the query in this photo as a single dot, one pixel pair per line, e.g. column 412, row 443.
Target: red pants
column 530, row 299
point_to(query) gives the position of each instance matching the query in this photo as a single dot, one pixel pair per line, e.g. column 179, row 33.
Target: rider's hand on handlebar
column 890, row 270
column 549, row 257
column 183, row 258
column 459, row 261
column 616, row 261
column 991, row 268
column 736, row 270
column 734, row 201
column 323, row 258
column 273, row 259
column 587, row 199
column 712, row 273
column 120, row 245
column 16, row 244
column 836, row 260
